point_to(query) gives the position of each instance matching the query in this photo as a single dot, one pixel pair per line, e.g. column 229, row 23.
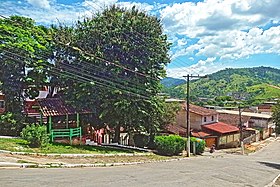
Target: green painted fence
column 67, row 133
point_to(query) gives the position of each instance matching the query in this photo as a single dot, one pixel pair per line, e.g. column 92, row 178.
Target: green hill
column 243, row 83
column 172, row 82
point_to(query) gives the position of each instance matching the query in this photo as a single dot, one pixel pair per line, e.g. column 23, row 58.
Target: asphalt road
column 258, row 169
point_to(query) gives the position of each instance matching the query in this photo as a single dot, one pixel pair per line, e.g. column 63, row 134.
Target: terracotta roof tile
column 200, row 134
column 221, row 127
column 202, row 111
column 55, row 107
column 175, row 129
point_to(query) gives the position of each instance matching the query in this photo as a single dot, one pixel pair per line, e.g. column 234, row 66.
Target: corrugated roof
column 250, row 114
column 220, row 127
column 202, row 111
column 55, row 107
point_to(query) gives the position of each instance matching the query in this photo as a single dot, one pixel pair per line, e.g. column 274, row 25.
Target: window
column 2, row 104
column 205, row 119
column 212, row 118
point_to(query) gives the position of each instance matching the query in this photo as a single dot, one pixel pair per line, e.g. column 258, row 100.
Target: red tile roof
column 200, row 134
column 220, row 127
column 202, row 111
column 175, row 129
column 55, row 107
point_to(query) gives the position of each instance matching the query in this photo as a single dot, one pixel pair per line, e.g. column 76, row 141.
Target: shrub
column 199, row 145
column 140, row 140
column 170, row 145
column 10, row 124
column 36, row 135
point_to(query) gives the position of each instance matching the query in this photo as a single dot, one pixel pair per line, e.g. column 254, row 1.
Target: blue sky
column 207, row 35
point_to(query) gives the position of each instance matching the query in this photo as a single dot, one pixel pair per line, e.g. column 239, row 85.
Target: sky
column 206, row 35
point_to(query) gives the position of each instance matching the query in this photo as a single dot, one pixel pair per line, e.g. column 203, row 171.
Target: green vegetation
column 36, row 135
column 20, row 145
column 199, row 145
column 108, row 64
column 276, row 117
column 221, row 88
column 170, row 145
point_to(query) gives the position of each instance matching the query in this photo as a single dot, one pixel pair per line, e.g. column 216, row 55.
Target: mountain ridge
column 249, row 83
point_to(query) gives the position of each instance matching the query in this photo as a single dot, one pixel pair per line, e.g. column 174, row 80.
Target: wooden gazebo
column 57, row 113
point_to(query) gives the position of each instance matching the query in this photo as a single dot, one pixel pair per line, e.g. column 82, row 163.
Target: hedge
column 170, row 145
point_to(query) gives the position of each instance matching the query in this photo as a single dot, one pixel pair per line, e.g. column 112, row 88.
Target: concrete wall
column 195, row 121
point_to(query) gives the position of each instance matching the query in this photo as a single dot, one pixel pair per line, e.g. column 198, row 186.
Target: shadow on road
column 272, row 165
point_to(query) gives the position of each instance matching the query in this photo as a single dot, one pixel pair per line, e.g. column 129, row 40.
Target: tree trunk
column 117, row 134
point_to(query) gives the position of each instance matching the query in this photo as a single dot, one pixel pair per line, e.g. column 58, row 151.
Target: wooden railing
column 67, row 133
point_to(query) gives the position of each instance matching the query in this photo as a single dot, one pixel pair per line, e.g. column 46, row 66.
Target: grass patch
column 20, row 145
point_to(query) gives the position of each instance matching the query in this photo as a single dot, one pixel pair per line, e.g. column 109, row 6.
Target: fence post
column 71, row 134
column 80, row 128
column 194, row 148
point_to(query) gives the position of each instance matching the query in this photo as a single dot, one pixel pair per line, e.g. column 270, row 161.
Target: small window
column 205, row 119
column 212, row 118
column 2, row 104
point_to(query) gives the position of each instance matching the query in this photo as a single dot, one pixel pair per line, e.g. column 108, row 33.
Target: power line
column 99, row 58
column 84, row 79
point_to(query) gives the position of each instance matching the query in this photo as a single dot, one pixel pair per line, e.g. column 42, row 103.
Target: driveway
column 258, row 169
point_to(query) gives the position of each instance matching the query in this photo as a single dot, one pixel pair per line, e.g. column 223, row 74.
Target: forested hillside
column 244, row 83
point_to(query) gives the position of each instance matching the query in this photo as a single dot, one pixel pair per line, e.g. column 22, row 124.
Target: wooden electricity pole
column 188, row 111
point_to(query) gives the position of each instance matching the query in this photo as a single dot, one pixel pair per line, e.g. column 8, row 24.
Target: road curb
column 16, row 165
column 75, row 155
column 61, row 165
column 273, row 182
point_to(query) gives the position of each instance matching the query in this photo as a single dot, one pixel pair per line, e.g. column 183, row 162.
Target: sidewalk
column 249, row 149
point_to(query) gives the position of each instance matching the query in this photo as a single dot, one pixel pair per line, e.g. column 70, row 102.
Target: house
column 262, row 122
column 227, row 135
column 2, row 103
column 266, row 107
column 234, row 119
column 201, row 121
column 200, row 116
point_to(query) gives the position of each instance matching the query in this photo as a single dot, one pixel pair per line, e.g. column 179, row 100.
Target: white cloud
column 203, row 67
column 40, row 3
column 226, row 29
column 141, row 6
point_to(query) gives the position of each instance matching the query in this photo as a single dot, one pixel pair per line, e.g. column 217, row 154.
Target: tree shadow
column 272, row 165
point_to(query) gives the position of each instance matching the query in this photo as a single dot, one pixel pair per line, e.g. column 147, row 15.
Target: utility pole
column 188, row 111
column 241, row 128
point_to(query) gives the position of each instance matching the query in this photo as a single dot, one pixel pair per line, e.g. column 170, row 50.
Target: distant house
column 266, row 108
column 262, row 122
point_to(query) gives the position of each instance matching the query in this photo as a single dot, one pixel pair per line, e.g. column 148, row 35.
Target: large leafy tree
column 276, row 117
column 127, row 51
column 24, row 50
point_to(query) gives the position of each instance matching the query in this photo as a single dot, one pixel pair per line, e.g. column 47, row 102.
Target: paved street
column 257, row 169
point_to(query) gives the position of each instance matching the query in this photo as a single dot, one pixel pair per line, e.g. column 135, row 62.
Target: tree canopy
column 24, row 51
column 122, row 54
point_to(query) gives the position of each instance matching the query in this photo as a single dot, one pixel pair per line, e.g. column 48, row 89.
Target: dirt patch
column 38, row 159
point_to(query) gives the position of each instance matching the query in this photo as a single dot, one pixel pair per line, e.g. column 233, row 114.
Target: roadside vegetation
column 20, row 145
